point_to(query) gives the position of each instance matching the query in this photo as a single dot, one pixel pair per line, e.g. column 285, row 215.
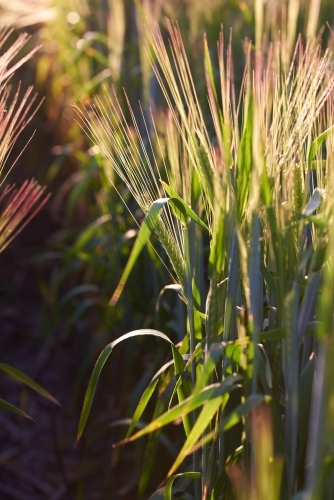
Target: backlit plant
column 252, row 379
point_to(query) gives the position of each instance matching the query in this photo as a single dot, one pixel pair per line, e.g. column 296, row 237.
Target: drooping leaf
column 169, row 484
column 98, row 368
column 180, row 208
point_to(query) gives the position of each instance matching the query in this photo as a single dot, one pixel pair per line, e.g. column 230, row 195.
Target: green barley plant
column 243, row 209
column 18, row 206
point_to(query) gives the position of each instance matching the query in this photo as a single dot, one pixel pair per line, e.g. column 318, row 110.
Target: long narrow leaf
column 195, row 401
column 234, row 417
column 317, row 143
column 7, row 406
column 202, row 422
column 98, row 368
column 144, row 234
column 18, row 376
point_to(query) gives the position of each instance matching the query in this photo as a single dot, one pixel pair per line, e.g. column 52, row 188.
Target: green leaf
column 215, row 352
column 146, row 396
column 317, row 143
column 305, row 397
column 234, row 417
column 189, row 359
column 175, row 286
column 182, row 388
column 98, row 368
column 275, row 334
column 181, row 209
column 144, row 234
column 188, row 405
column 89, row 231
column 232, row 286
column 202, row 422
column 169, row 484
column 7, row 406
column 307, row 308
column 18, row 376
column 255, row 296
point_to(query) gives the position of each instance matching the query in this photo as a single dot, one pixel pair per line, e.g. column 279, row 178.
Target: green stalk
column 189, row 244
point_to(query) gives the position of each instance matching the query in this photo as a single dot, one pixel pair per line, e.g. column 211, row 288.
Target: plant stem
column 189, row 258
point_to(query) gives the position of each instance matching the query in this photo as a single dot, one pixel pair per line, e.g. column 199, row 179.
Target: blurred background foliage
column 58, row 276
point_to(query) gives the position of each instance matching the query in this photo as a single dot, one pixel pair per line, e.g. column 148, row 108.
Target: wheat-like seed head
column 16, row 112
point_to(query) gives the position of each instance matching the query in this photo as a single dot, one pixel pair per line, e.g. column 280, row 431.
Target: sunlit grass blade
column 317, row 143
column 147, row 394
column 202, row 422
column 18, row 376
column 169, row 484
column 233, row 418
column 188, row 405
column 149, row 224
column 98, row 368
column 184, row 375
column 181, row 209
column 212, row 357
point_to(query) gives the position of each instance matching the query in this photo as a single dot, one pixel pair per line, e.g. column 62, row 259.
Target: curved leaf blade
column 180, row 208
column 88, row 400
column 169, row 484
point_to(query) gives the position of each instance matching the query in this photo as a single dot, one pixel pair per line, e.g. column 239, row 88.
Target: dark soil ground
column 38, row 459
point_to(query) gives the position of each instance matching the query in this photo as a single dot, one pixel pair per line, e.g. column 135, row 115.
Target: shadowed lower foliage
column 17, row 206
